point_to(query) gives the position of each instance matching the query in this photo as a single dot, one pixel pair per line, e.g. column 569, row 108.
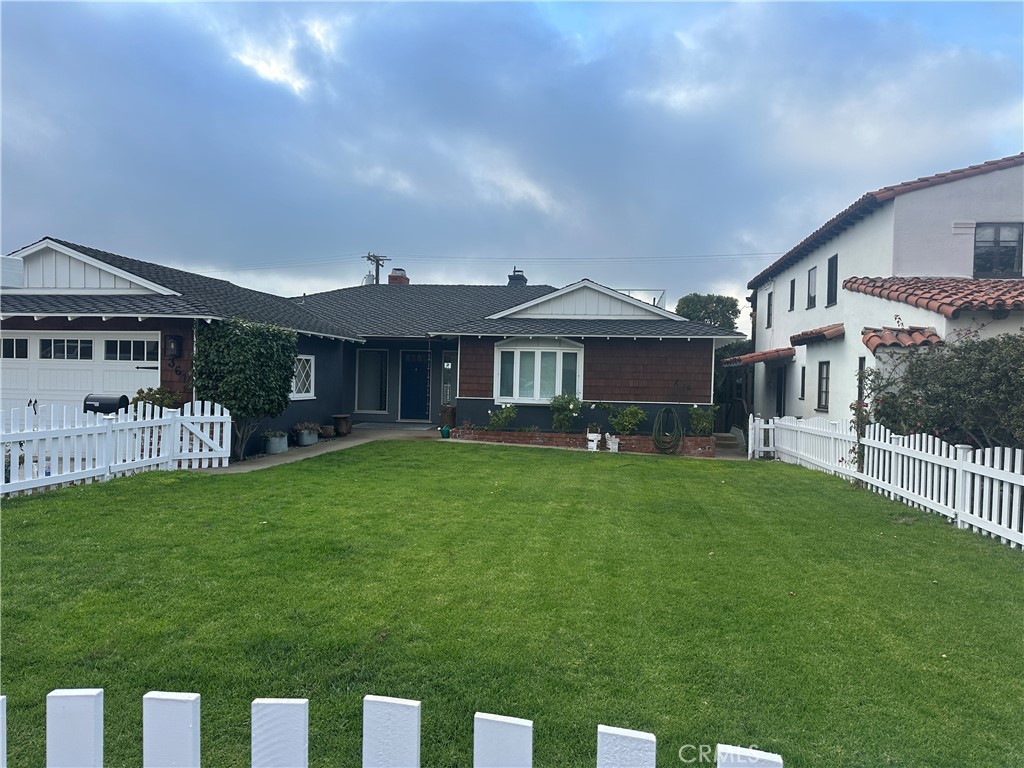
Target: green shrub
column 702, row 421
column 625, row 421
column 161, row 397
column 565, row 409
column 501, row 418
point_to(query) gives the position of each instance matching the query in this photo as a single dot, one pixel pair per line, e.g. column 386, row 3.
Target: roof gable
column 585, row 300
column 52, row 266
column 869, row 203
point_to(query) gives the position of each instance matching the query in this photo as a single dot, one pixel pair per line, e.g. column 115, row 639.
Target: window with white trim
column 302, row 381
column 535, row 370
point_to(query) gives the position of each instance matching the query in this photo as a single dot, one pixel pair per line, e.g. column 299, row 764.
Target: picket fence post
column 623, row 748
column 745, row 757
column 170, row 729
column 391, row 732
column 74, row 728
column 961, row 502
column 280, row 733
column 3, row 732
column 502, row 742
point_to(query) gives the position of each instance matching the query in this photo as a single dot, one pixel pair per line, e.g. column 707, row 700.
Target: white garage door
column 64, row 366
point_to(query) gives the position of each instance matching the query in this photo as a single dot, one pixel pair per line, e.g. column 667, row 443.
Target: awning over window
column 780, row 355
column 910, row 336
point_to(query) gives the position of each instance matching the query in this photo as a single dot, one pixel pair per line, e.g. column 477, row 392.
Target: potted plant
column 306, row 433
column 275, row 441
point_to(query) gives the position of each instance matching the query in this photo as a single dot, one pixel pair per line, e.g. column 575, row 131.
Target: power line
column 518, row 258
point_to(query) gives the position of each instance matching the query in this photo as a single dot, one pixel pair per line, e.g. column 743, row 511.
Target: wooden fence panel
column 502, row 742
column 624, row 748
column 74, row 728
column 60, row 445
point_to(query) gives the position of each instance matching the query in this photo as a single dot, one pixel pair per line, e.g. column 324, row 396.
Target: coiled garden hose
column 664, row 440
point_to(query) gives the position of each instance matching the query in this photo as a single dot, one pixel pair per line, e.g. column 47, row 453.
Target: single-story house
column 77, row 320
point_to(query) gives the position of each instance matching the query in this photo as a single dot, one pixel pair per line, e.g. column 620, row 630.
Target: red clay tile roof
column 782, row 353
column 826, row 332
column 869, row 203
column 949, row 296
column 911, row 336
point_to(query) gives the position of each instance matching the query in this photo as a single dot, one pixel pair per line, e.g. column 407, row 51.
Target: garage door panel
column 128, row 382
column 73, row 376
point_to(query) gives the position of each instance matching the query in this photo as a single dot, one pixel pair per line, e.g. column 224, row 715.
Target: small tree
column 710, row 308
column 968, row 391
column 247, row 368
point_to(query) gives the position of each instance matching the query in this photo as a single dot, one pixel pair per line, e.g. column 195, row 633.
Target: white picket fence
column 279, row 736
column 979, row 489
column 61, row 445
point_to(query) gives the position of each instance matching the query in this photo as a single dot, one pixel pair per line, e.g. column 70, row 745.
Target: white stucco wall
column 924, row 240
column 910, row 235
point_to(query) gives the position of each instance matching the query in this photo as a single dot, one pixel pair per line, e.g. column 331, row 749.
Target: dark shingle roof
column 417, row 310
column 512, row 326
column 200, row 297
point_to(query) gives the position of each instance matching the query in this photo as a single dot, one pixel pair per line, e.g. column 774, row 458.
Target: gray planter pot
column 275, row 444
column 306, row 437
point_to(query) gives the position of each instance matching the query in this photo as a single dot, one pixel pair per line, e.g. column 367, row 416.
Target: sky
column 674, row 146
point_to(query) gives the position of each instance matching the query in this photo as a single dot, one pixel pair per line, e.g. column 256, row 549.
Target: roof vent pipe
column 517, row 277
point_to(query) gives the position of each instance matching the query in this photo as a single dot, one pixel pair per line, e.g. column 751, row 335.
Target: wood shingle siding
column 476, row 367
column 642, row 371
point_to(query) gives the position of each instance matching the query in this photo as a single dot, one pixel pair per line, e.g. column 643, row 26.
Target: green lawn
column 736, row 602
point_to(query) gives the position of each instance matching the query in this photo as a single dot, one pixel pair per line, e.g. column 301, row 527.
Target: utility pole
column 377, row 262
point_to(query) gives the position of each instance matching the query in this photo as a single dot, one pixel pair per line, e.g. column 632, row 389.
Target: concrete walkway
column 356, row 437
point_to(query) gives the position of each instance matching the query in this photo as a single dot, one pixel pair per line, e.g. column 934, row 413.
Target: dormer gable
column 586, row 300
column 52, row 267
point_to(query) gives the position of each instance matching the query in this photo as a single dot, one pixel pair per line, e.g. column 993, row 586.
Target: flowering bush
column 501, row 418
column 565, row 409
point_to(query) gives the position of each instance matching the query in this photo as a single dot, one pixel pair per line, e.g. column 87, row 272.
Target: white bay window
column 535, row 370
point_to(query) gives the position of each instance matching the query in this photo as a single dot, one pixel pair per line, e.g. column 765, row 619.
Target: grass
column 735, row 602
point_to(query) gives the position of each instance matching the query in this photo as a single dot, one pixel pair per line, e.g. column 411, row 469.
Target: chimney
column 398, row 277
column 517, row 277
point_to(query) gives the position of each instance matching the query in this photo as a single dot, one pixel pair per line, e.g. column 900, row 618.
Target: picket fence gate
column 980, row 489
column 280, row 735
column 61, row 445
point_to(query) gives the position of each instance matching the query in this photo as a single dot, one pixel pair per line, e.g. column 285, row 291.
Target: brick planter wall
column 690, row 446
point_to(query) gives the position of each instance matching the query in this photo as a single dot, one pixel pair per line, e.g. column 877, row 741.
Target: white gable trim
column 101, row 265
column 585, row 283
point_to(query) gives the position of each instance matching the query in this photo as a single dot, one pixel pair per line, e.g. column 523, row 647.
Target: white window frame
column 519, row 345
column 311, row 394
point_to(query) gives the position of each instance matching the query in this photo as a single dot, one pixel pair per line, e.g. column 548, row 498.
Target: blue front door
column 415, row 397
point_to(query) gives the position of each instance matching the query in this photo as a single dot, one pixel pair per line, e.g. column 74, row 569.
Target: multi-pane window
column 537, row 370
column 302, row 380
column 812, row 287
column 770, row 310
column 823, row 376
column 832, row 281
column 15, row 349
column 792, row 294
column 130, row 350
column 997, row 250
column 372, row 380
column 64, row 349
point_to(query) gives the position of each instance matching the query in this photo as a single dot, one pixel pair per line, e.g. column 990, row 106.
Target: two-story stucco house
column 917, row 263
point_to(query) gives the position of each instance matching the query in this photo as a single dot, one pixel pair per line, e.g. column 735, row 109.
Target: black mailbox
column 105, row 403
